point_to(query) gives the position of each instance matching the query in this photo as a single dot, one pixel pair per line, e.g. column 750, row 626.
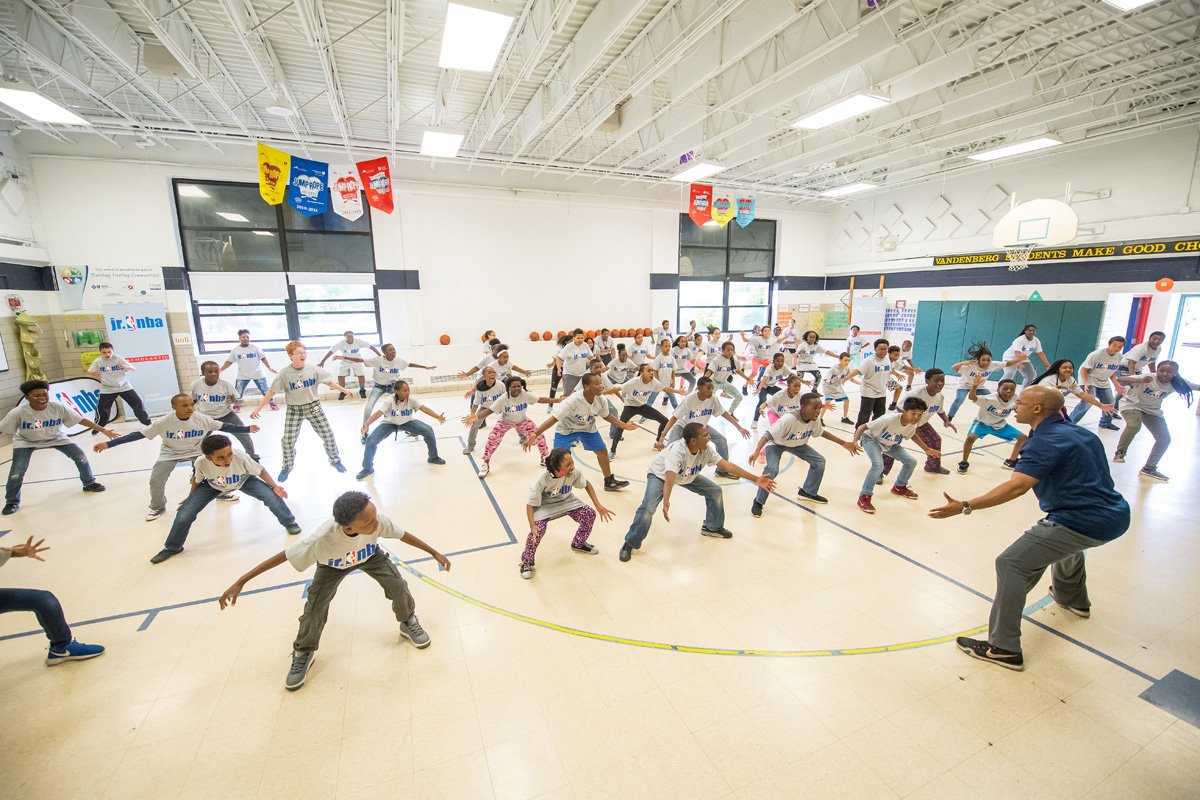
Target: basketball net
column 1018, row 256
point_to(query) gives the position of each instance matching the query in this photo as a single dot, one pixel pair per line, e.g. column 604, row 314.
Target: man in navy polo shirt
column 1066, row 467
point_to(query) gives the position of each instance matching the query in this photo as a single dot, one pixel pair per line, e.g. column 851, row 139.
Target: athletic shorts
column 350, row 368
column 590, row 439
column 1008, row 433
column 831, row 399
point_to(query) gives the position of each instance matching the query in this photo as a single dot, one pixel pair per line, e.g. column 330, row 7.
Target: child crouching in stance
column 553, row 497
column 341, row 545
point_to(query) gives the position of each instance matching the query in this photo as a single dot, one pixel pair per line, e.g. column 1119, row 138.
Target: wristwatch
column 966, row 509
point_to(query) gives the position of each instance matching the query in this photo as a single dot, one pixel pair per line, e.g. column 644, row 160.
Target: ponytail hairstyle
column 555, row 459
column 1053, row 370
column 978, row 349
column 399, row 383
column 1180, row 384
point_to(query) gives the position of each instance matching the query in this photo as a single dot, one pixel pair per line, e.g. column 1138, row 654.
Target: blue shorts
column 831, row 399
column 1008, row 433
column 590, row 439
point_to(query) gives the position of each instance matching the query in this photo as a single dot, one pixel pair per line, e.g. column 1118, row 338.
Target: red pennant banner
column 700, row 204
column 377, row 183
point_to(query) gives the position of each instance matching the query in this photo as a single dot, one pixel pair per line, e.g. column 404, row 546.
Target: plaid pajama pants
column 291, row 431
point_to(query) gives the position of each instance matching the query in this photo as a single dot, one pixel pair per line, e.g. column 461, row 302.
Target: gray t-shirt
column 395, row 412
column 45, row 428
column 216, row 401
column 782, row 403
column 575, row 358
column 553, row 497
column 936, row 403
column 514, row 410
column 359, row 348
column 1101, row 367
column 112, row 374
column 875, row 372
column 684, row 463
column 1141, row 355
column 693, row 409
column 1148, row 397
column 993, row 411
column 889, row 430
column 248, row 360
column 636, row 392
column 180, row 437
column 328, row 545
column 300, row 386
column 621, row 371
column 791, row 431
column 227, row 479
column 384, row 372
column 577, row 415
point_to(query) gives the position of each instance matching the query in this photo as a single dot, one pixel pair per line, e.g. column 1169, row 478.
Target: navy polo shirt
column 1074, row 486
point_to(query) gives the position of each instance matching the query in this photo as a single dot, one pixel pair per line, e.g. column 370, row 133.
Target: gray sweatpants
column 159, row 474
column 325, row 584
column 570, row 382
column 1020, row 567
column 1134, row 420
column 243, row 438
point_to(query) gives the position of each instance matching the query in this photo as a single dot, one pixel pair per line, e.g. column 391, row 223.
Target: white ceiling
column 609, row 93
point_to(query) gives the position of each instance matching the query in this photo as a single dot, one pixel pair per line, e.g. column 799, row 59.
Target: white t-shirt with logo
column 665, row 365
column 355, row 349
column 993, row 411
column 935, row 402
column 112, row 374
column 1067, row 387
column 889, row 430
column 514, row 410
column 1141, row 355
column 552, row 497
column 637, row 392
column 483, row 398
column 774, row 377
column 693, row 409
column 396, row 412
column 684, row 463
column 45, row 428
column 1101, row 367
column 248, row 360
column 722, row 368
column 384, row 372
column 764, row 347
column 969, row 372
column 1023, row 345
column 835, row 382
column 577, row 415
column 330, row 546
column 1148, row 397
column 781, row 403
column 216, row 401
column 575, row 358
column 227, row 479
column 638, row 353
column 621, row 371
column 180, row 437
column 791, row 431
column 300, row 386
column 875, row 372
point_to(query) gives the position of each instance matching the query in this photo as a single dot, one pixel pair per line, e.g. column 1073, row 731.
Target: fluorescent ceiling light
column 472, row 38
column 231, row 216
column 1016, row 149
column 262, row 233
column 851, row 188
column 441, row 145
column 38, row 107
column 697, row 171
column 191, row 190
column 1128, row 5
column 853, row 106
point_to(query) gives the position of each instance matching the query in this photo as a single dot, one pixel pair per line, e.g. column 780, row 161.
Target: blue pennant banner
column 308, row 187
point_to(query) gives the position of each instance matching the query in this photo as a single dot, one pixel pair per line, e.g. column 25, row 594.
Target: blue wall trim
column 402, row 279
column 663, row 280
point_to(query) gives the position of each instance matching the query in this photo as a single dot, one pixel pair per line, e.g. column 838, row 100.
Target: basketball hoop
column 1018, row 256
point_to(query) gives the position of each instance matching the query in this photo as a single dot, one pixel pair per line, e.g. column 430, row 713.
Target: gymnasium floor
column 583, row 682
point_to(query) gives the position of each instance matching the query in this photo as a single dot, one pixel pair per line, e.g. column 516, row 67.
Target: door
column 1185, row 339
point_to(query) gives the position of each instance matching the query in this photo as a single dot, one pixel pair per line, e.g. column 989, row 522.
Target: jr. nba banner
column 273, row 170
column 344, row 191
column 722, row 209
column 306, row 188
column 377, row 183
column 745, row 210
column 700, row 203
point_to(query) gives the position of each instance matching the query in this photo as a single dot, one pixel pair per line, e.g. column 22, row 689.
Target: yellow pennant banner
column 274, row 167
column 723, row 209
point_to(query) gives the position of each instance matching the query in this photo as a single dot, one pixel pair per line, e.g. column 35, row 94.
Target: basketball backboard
column 1038, row 223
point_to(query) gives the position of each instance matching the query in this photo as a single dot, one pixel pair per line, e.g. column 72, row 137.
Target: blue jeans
column 416, row 427
column 875, row 452
column 20, row 463
column 804, row 452
column 714, row 436
column 960, row 396
column 714, row 506
column 45, row 607
column 241, row 383
column 650, row 400
column 762, row 398
column 204, row 494
column 1101, row 394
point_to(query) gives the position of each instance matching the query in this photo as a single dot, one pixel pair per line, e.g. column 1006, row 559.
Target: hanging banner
column 306, row 188
column 85, row 287
column 344, row 191
column 722, row 209
column 376, row 181
column 274, row 167
column 700, row 203
column 139, row 334
column 745, row 210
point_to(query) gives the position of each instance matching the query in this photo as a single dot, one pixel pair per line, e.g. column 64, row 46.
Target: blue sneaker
column 339, row 466
column 73, row 652
column 283, row 475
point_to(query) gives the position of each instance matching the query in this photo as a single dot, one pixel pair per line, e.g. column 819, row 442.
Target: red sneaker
column 864, row 502
column 904, row 491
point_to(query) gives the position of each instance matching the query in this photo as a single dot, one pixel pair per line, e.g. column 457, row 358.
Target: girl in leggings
column 684, row 353
column 553, row 497
column 772, row 381
column 1143, row 406
column 513, row 409
column 639, row 395
column 807, row 350
column 722, row 369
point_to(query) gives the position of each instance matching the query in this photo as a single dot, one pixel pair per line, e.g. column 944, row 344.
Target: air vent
column 159, row 61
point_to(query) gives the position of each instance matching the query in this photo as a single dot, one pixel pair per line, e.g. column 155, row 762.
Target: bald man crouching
column 1066, row 467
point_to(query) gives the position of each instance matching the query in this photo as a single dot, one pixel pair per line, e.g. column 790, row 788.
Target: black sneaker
column 720, row 533
column 847, row 421
column 436, row 460
column 10, row 508
column 720, row 473
column 812, row 498
column 756, row 509
column 1152, row 472
column 163, row 555
column 626, row 552
column 938, row 471
column 301, row 663
column 983, row 651
column 1010, row 463
column 963, row 466
column 1108, row 426
column 611, row 484
column 892, row 407
column 94, row 487
column 587, row 549
column 362, row 393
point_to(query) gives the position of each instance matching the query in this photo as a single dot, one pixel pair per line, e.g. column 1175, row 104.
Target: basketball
column 561, row 334
column 533, row 336
column 619, row 333
column 444, row 338
column 647, row 332
column 483, row 337
column 547, row 336
column 590, row 334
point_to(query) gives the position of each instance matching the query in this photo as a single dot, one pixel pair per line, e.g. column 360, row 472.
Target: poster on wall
column 139, row 334
column 87, row 287
column 868, row 315
column 81, row 395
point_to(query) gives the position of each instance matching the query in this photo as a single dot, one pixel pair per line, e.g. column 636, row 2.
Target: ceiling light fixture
column 232, row 216
column 37, row 106
column 697, row 171
column 262, row 233
column 280, row 111
column 191, row 190
column 440, row 144
column 851, row 188
column 1016, row 149
column 472, row 38
column 1129, row 5
column 853, row 106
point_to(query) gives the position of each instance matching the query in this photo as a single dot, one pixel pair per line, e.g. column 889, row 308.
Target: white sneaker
column 229, row 498
column 484, row 468
column 154, row 513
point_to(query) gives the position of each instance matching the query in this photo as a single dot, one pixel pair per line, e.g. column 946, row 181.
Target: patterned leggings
column 584, row 515
column 525, row 428
column 291, row 431
column 932, row 440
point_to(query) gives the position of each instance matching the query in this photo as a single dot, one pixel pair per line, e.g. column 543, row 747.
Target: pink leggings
column 584, row 515
column 525, row 428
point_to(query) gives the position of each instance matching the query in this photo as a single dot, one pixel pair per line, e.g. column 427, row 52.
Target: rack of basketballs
column 547, row 336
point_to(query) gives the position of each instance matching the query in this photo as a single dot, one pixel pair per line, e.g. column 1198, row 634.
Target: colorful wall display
column 706, row 204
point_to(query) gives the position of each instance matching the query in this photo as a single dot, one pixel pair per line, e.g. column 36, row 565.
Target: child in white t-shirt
column 885, row 436
column 345, row 543
column 992, row 420
column 554, row 496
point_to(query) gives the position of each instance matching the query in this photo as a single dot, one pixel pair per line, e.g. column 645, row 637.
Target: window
column 725, row 274
column 226, row 227
column 324, row 312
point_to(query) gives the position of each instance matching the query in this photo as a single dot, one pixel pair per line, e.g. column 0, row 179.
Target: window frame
column 729, row 278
